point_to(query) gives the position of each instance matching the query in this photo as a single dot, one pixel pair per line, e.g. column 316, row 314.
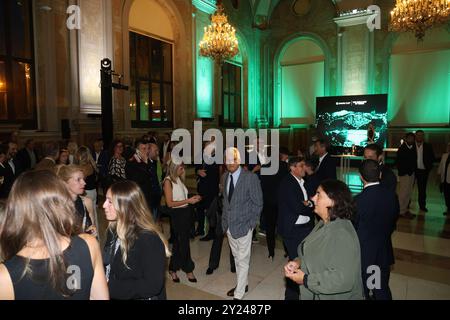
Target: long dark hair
column 39, row 207
column 344, row 206
column 133, row 215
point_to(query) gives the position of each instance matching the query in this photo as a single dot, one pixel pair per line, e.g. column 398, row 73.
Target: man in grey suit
column 242, row 206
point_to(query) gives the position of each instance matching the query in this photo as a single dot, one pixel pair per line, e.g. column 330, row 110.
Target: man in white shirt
column 295, row 215
column 425, row 159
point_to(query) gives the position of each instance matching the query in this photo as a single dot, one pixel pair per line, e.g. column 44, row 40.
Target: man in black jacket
column 377, row 211
column 6, row 174
column 295, row 216
column 425, row 159
column 27, row 156
column 326, row 168
column 406, row 165
column 388, row 177
column 138, row 169
column 270, row 185
column 156, row 192
column 208, row 179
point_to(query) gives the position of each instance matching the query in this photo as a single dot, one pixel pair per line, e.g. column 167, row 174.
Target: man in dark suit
column 242, row 206
column 377, row 212
column 12, row 163
column 101, row 158
column 388, row 177
column 311, row 177
column 425, row 160
column 295, row 216
column 326, row 168
column 208, row 179
column 6, row 174
column 156, row 192
column 270, row 185
column 138, row 170
column 406, row 165
column 50, row 151
column 27, row 156
column 164, row 146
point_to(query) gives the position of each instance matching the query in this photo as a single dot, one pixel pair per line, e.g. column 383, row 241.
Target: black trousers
column 447, row 195
column 422, row 179
column 181, row 221
column 292, row 289
column 216, row 251
column 203, row 206
column 270, row 213
column 384, row 292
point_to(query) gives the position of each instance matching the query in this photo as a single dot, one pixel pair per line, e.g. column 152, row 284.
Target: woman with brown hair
column 63, row 157
column 44, row 254
column 176, row 195
column 136, row 251
column 73, row 177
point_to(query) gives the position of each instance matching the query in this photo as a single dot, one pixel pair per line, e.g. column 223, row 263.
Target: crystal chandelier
column 419, row 15
column 219, row 41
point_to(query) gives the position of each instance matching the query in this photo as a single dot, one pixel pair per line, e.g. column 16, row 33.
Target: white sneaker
column 302, row 219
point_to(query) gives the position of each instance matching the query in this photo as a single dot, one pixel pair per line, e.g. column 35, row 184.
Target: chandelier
column 219, row 41
column 419, row 15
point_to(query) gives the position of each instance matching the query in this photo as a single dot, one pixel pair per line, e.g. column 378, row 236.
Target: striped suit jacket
column 243, row 212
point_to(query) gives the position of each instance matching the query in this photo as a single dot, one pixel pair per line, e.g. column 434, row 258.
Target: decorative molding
column 352, row 20
column 207, row 6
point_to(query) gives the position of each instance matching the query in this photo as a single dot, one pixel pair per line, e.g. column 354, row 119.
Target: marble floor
column 422, row 269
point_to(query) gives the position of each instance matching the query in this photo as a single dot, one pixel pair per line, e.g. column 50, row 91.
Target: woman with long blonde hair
column 84, row 159
column 44, row 254
column 176, row 195
column 73, row 177
column 136, row 251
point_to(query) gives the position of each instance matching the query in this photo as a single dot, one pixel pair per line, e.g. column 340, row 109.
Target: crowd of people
column 50, row 235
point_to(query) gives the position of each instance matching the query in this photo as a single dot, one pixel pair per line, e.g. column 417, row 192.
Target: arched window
column 17, row 86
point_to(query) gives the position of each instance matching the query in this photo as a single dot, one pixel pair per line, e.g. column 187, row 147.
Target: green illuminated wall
column 204, row 71
column 419, row 79
column 419, row 92
column 204, row 87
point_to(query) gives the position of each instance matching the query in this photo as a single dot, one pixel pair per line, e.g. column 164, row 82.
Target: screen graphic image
column 353, row 120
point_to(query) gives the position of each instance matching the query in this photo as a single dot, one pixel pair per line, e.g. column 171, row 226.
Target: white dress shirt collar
column 322, row 157
column 371, row 184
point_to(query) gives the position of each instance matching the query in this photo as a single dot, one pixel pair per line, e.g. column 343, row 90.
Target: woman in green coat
column 328, row 266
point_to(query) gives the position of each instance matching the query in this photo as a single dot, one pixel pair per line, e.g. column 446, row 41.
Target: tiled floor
column 422, row 269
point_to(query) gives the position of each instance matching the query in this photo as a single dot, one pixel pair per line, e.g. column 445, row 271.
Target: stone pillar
column 355, row 55
column 204, row 67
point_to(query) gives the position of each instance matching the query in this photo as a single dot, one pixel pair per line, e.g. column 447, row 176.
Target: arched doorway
column 301, row 75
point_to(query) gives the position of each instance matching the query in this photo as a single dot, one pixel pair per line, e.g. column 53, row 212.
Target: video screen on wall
column 345, row 120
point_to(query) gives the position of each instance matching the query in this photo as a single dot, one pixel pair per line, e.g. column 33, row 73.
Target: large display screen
column 349, row 121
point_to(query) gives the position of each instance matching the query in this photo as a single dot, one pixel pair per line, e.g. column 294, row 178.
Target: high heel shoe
column 194, row 280
column 174, row 277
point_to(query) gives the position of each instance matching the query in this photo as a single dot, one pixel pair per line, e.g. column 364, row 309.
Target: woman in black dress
column 135, row 252
column 44, row 254
column 73, row 178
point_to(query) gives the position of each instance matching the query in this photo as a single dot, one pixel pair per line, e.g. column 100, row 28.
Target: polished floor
column 421, row 271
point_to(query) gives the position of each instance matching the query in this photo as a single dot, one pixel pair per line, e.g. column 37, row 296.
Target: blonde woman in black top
column 136, row 251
